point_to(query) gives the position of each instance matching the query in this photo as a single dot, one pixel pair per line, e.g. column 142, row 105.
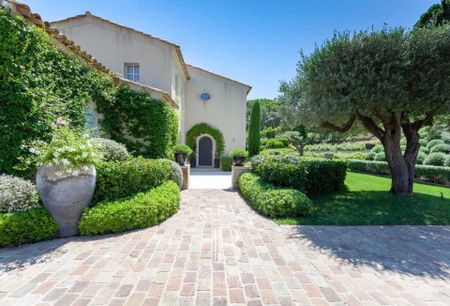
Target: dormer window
column 132, row 72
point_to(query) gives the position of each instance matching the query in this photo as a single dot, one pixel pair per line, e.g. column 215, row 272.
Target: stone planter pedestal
column 236, row 172
column 65, row 194
column 186, row 176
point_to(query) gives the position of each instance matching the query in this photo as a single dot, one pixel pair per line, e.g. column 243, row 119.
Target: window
column 132, row 72
column 90, row 119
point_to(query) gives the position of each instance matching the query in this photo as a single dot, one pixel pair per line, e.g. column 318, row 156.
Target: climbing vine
column 204, row 128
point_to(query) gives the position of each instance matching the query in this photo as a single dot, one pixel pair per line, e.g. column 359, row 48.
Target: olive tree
column 390, row 81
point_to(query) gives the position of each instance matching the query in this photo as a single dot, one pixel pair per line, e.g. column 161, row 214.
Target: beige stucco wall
column 225, row 110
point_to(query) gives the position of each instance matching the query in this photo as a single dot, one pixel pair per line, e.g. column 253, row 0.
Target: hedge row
column 119, row 179
column 27, row 226
column 311, row 176
column 433, row 174
column 138, row 211
column 273, row 201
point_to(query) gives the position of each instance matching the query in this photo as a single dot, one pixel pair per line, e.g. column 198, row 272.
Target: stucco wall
column 225, row 110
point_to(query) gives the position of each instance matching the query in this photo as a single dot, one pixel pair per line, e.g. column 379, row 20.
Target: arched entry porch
column 206, row 151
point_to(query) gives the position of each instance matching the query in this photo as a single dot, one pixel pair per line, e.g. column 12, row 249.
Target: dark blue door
column 205, row 150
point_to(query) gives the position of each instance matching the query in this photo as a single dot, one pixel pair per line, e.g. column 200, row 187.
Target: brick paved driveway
column 217, row 251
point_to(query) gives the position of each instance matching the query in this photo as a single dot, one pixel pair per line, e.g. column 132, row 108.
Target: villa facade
column 158, row 66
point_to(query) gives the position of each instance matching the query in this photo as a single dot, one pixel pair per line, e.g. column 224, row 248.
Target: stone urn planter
column 65, row 193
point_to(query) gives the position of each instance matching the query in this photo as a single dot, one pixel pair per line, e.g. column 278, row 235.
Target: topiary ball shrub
column 377, row 149
column 273, row 201
column 119, row 179
column 226, row 162
column 112, row 150
column 436, row 159
column 17, row 194
column 370, row 156
column 433, row 143
column 275, row 143
column 420, row 158
column 176, row 173
column 138, row 211
column 445, row 148
column 27, row 226
column 380, row 157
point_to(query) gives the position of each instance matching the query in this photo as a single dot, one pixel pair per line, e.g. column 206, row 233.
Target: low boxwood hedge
column 433, row 174
column 311, row 176
column 27, row 226
column 273, row 201
column 138, row 211
column 119, row 179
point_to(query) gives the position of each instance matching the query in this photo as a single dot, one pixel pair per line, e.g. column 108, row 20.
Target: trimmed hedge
column 275, row 143
column 119, row 179
column 27, row 226
column 138, row 211
column 273, row 201
column 436, row 159
column 311, row 176
column 433, row 174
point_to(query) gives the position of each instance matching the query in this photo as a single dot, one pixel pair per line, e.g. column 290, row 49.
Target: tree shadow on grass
column 411, row 249
column 16, row 258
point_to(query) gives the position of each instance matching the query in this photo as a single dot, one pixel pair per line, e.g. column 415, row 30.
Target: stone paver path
column 217, row 251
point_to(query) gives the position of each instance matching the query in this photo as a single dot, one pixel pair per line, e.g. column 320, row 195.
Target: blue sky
column 253, row 41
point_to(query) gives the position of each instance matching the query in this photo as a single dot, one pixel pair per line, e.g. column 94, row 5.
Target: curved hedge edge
column 142, row 210
column 27, row 226
column 273, row 201
column 204, row 128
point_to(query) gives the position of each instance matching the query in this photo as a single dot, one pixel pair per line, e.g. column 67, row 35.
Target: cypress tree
column 254, row 129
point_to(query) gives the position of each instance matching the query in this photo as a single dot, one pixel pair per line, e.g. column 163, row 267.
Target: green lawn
column 368, row 201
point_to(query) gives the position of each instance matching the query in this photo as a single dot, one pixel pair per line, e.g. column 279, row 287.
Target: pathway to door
column 217, row 251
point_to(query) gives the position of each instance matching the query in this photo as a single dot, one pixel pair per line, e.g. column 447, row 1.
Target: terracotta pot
column 65, row 194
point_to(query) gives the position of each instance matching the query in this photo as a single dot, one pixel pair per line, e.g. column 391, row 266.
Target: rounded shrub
column 138, row 211
column 370, row 156
column 118, row 179
column 27, row 226
column 436, row 159
column 226, row 162
column 420, row 157
column 182, row 148
column 273, row 201
column 433, row 143
column 445, row 148
column 111, row 150
column 176, row 174
column 380, row 156
column 377, row 149
column 16, row 194
column 236, row 152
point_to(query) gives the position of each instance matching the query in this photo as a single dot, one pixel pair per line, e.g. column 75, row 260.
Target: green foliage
column 270, row 132
column 275, row 143
column 118, row 179
column 226, row 162
column 345, row 146
column 182, row 148
column 39, row 83
column 269, row 113
column 111, row 150
column 377, row 149
column 436, row 159
column 273, row 201
column 434, row 142
column 176, row 173
column 16, row 194
column 380, row 157
column 420, row 157
column 370, row 156
column 282, row 151
column 434, row 174
column 311, row 176
column 236, row 152
column 445, row 148
column 436, row 15
column 254, row 130
column 138, row 211
column 203, row 128
column 145, row 125
column 27, row 226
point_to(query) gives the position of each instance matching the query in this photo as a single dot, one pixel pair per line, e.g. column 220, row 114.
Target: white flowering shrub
column 16, row 194
column 68, row 148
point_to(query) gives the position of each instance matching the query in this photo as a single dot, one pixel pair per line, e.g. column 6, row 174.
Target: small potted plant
column 66, row 176
column 238, row 156
column 181, row 153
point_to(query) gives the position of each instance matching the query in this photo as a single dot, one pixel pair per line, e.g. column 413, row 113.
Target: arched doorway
column 205, row 151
